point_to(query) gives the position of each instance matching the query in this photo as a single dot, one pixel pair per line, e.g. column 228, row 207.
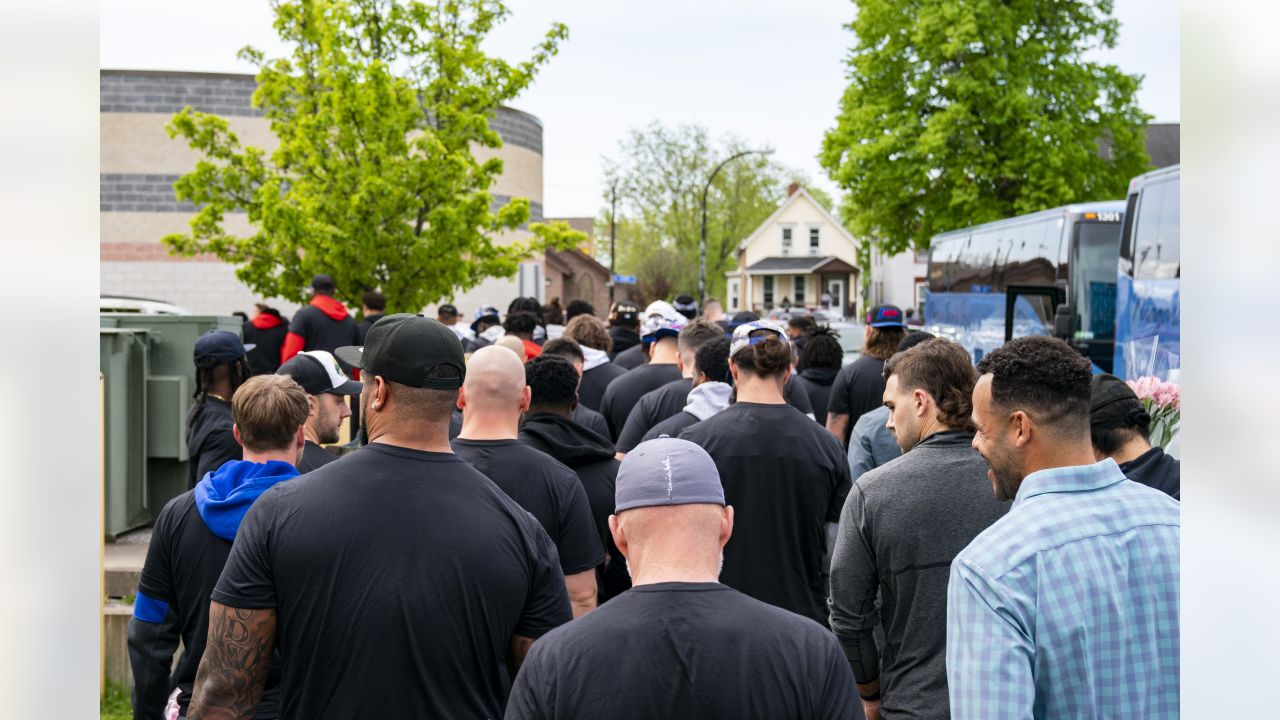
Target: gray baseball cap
column 667, row 471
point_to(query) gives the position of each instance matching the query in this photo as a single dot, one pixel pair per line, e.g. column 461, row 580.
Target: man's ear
column 300, row 438
column 726, row 526
column 462, row 398
column 526, row 397
column 235, row 432
column 1022, row 428
column 619, row 537
column 921, row 399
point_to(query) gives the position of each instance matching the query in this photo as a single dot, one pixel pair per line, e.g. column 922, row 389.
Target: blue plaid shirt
column 1067, row 607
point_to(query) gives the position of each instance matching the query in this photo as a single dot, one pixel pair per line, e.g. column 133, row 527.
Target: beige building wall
column 140, row 162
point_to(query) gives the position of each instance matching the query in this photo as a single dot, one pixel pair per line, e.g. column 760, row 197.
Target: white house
column 800, row 257
column 900, row 280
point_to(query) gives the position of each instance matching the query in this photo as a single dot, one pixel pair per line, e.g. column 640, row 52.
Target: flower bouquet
column 1162, row 399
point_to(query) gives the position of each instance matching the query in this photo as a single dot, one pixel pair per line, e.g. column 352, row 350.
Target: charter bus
column 1148, row 303
column 1047, row 273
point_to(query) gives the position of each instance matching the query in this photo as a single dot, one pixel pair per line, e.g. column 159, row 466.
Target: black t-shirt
column 362, row 327
column 786, row 478
column 400, row 577
column 858, row 388
column 319, row 331
column 623, row 339
column 594, row 382
column 591, row 420
column 685, row 650
column 654, row 407
column 795, row 396
column 548, row 489
column 314, row 456
column 210, row 442
column 184, row 560
column 631, row 358
column 671, row 427
column 623, row 393
column 1156, row 469
column 817, row 386
column 264, row 358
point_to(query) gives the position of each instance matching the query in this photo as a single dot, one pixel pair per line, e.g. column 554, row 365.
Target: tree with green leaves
column 377, row 110
column 967, row 111
column 659, row 175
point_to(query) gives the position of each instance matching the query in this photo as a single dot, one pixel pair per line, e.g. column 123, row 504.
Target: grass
column 114, row 704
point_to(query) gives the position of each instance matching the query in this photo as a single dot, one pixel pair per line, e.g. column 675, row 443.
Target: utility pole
column 613, row 238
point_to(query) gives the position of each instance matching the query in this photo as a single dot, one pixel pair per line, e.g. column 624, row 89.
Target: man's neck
column 430, row 437
column 763, row 391
column 541, row 410
column 663, row 354
column 678, row 569
column 1061, row 454
column 285, row 456
column 309, row 432
column 220, row 390
column 1132, row 450
column 482, row 425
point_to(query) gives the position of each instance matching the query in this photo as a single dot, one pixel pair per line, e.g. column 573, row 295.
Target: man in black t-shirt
column 859, row 385
column 679, row 644
column 711, row 391
column 221, row 367
column 492, row 400
column 548, row 426
column 190, row 543
column 661, row 333
column 573, row 352
column 319, row 374
column 324, row 324
column 265, row 331
column 397, row 583
column 374, row 309
column 661, row 403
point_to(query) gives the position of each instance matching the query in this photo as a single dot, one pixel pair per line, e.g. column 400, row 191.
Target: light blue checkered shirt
column 1067, row 607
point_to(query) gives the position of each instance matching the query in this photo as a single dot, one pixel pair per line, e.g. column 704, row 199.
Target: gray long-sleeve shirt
column 902, row 525
column 872, row 443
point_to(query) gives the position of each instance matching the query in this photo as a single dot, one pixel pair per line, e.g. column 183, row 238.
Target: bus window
column 1156, row 252
column 1030, row 259
column 1093, row 280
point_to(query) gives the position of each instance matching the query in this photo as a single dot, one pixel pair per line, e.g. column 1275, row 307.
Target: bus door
column 1029, row 310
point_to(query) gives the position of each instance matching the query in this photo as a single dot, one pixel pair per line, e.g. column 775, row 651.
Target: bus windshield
column 1095, row 249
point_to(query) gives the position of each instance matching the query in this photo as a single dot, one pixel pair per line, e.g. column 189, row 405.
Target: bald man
column 679, row 644
column 493, row 397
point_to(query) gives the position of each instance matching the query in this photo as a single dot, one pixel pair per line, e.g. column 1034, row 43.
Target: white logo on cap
column 666, row 463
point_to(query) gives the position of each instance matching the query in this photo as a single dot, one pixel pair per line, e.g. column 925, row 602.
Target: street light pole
column 702, row 248
column 613, row 239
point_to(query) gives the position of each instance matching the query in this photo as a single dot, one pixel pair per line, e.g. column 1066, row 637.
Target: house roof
column 799, row 265
column 560, row 258
column 792, row 198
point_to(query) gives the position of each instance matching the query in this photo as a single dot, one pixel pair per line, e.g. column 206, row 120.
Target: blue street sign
column 624, row 279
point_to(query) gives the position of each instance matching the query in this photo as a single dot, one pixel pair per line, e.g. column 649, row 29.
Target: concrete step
column 122, row 562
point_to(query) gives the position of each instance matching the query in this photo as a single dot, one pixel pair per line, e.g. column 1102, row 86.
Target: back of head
column 512, row 343
column 375, row 301
column 686, row 306
column 669, row 500
column 323, row 284
column 495, row 380
column 944, row 370
column 712, row 360
column 626, row 314
column 590, row 331
column 520, row 322
column 822, row 351
column 525, row 304
column 802, row 323
column 552, row 313
column 578, row 307
column 553, row 384
column 565, row 348
column 1043, row 377
column 882, row 343
column 1116, row 415
column 912, row 339
column 769, row 358
column 268, row 410
column 697, row 333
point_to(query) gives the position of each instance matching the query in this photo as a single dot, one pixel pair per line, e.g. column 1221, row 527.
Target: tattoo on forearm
column 234, row 668
column 519, row 649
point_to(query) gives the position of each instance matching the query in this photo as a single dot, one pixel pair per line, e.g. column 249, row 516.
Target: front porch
column 814, row 284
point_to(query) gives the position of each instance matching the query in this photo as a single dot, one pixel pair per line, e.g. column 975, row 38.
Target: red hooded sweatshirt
column 323, row 323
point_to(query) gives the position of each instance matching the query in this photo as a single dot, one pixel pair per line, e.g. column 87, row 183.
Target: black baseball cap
column 219, row 346
column 626, row 311
column 403, row 348
column 447, row 310
column 686, row 306
column 1110, row 400
column 323, row 282
column 317, row 372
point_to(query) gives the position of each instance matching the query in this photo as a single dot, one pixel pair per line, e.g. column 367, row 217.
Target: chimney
column 792, row 188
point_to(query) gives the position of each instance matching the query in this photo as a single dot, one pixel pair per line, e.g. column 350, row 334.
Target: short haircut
column 822, row 350
column 944, row 370
column 525, row 304
column 697, row 333
column 803, row 323
column 374, row 300
column 266, row 309
column 882, row 343
column 268, row 410
column 428, row 405
column 590, row 331
column 553, row 382
column 1044, row 377
column 520, row 321
column 913, row 338
column 579, row 307
column 712, row 360
column 564, row 347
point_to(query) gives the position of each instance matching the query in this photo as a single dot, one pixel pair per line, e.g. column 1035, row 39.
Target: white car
column 850, row 337
column 141, row 306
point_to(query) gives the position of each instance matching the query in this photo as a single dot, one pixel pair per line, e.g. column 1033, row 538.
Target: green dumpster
column 123, row 361
column 169, row 387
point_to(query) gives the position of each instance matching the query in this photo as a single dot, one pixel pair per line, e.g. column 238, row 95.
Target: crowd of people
column 665, row 513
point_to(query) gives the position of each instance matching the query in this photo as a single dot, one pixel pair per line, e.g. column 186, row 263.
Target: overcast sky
column 768, row 71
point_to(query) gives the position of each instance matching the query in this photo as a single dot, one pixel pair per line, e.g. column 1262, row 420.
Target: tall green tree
column 966, row 111
column 659, row 173
column 378, row 110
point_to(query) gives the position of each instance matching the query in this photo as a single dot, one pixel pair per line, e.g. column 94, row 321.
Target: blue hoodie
column 225, row 495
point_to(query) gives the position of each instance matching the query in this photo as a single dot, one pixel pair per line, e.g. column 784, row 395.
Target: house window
column 768, row 290
column 813, row 241
column 786, row 241
column 733, row 294
column 799, row 290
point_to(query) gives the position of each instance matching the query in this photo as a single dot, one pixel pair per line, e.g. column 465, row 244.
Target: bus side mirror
column 1062, row 318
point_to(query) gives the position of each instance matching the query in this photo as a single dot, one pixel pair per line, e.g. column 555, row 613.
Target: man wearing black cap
column 375, row 306
column 859, row 386
column 1120, row 429
column 624, row 326
column 320, row 375
column 679, row 644
column 486, row 328
column 686, row 306
column 324, row 324
column 221, row 367
column 399, row 582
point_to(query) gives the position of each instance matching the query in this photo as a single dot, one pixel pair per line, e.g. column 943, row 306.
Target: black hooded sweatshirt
column 590, row 455
column 623, row 338
column 817, row 385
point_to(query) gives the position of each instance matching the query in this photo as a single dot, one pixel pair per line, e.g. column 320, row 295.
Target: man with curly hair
column 1068, row 605
column 902, row 525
